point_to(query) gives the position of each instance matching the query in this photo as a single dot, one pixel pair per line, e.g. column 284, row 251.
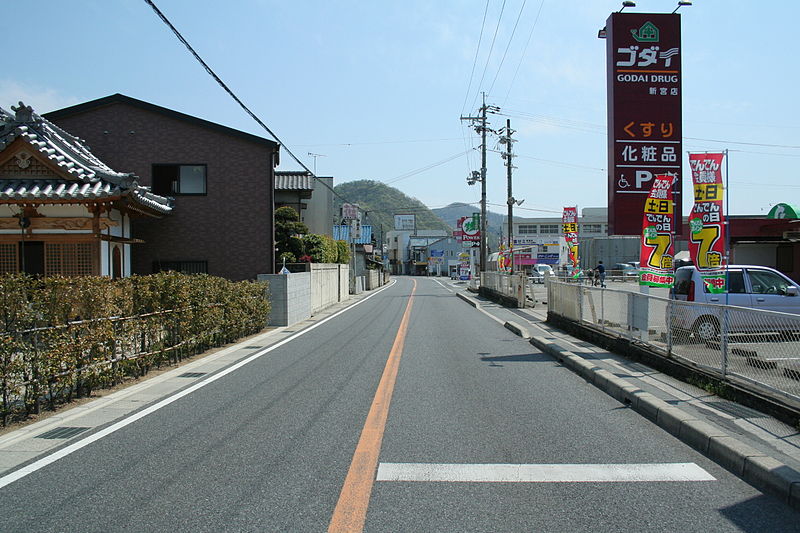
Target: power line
column 557, row 163
column 427, row 167
column 470, row 144
column 475, row 61
column 542, row 210
column 236, row 98
column 745, row 143
column 589, row 127
column 510, row 40
column 533, row 27
column 491, row 48
column 377, row 142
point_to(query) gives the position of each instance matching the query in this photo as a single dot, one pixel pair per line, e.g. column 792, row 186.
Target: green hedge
column 342, row 252
column 62, row 337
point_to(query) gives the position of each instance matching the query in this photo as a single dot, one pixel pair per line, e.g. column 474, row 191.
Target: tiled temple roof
column 85, row 176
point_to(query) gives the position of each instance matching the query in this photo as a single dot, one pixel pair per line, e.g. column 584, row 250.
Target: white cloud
column 41, row 99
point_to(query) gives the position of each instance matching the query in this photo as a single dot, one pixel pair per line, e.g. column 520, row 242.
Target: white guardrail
column 750, row 346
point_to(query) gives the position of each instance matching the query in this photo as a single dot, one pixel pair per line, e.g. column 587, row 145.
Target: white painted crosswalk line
column 541, row 473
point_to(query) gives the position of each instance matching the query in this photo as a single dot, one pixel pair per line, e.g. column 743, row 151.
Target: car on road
column 748, row 286
column 627, row 270
column 539, row 272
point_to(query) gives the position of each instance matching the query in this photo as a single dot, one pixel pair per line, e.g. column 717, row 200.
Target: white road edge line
column 63, row 452
column 445, row 287
column 542, row 473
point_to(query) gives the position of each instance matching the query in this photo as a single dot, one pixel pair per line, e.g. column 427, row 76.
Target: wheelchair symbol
column 623, row 183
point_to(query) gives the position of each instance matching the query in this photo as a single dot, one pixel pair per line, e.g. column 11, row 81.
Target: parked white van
column 751, row 286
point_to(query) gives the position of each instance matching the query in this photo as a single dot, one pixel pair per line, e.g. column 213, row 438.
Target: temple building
column 62, row 210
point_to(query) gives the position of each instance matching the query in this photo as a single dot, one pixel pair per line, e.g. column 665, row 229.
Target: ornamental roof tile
column 293, row 181
column 86, row 177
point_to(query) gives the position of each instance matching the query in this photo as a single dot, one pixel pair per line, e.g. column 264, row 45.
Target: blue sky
column 376, row 88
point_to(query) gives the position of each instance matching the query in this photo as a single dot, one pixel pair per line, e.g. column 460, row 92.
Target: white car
column 751, row 286
column 540, row 272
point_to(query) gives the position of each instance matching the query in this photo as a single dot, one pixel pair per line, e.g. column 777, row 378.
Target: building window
column 9, row 262
column 69, row 259
column 549, row 228
column 179, row 180
column 591, row 228
column 184, row 267
column 527, row 229
column 50, row 258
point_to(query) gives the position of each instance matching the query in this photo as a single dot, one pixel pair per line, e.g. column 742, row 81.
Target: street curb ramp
column 763, row 472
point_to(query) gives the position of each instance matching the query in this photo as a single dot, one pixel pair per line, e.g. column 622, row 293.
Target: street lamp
column 627, row 3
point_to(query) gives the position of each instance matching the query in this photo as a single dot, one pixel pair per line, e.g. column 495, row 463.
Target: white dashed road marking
column 542, row 473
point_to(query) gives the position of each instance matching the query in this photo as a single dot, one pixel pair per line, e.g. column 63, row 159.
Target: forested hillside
column 382, row 202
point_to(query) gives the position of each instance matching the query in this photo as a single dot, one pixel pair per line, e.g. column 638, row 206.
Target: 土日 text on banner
column 569, row 227
column 656, row 259
column 707, row 220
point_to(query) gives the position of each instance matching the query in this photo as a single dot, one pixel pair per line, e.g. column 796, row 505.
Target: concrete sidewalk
column 760, row 449
column 55, row 431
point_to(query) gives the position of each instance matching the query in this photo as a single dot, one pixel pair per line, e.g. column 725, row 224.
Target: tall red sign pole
column 644, row 113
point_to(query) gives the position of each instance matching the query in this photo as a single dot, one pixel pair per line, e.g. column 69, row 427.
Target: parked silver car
column 749, row 286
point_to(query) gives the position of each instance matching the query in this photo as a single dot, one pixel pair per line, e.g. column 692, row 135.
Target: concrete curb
column 517, row 329
column 756, row 468
column 469, row 300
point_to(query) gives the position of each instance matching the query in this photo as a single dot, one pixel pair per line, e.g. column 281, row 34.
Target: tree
column 288, row 234
column 321, row 248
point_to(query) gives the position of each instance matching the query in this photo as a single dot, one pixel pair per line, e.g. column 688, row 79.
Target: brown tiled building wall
column 231, row 227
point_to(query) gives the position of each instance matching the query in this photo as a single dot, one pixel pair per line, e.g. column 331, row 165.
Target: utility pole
column 480, row 127
column 508, row 156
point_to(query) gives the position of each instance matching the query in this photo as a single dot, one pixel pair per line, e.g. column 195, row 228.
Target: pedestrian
column 601, row 273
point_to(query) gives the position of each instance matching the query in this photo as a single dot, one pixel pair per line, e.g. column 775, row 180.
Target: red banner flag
column 707, row 220
column 569, row 226
column 658, row 235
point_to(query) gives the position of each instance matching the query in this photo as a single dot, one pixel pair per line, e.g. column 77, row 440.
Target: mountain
column 451, row 213
column 382, row 202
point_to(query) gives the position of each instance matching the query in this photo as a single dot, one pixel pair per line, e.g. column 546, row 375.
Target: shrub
column 342, row 252
column 321, row 248
column 61, row 337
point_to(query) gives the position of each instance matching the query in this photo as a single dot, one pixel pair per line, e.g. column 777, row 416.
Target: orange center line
column 351, row 509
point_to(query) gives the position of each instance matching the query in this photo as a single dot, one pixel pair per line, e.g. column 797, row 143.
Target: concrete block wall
column 344, row 282
column 372, row 279
column 290, row 296
column 325, row 285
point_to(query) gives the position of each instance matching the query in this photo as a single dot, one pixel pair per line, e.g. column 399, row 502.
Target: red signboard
column 569, row 226
column 707, row 220
column 468, row 230
column 656, row 260
column 644, row 113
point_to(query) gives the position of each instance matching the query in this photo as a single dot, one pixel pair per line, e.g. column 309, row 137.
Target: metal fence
column 755, row 348
column 48, row 365
column 516, row 286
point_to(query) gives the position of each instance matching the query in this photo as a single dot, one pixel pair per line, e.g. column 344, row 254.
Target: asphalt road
column 483, row 433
